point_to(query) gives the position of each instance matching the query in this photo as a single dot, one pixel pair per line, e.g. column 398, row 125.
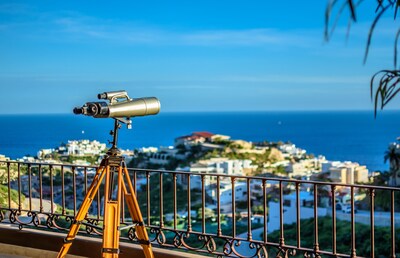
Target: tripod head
column 121, row 108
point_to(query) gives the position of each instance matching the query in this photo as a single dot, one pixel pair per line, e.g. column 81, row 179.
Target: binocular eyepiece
column 120, row 106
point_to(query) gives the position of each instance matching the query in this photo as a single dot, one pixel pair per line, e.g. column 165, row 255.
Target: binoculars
column 119, row 106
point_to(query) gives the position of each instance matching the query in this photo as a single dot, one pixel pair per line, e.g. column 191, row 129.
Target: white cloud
column 75, row 26
column 300, row 79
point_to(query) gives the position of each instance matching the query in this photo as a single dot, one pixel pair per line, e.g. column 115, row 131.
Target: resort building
column 163, row 155
column 347, row 172
column 216, row 166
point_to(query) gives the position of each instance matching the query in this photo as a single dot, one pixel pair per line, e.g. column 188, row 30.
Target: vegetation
column 6, row 169
column 343, row 237
column 386, row 81
column 168, row 196
column 92, row 159
column 14, row 197
column 392, row 154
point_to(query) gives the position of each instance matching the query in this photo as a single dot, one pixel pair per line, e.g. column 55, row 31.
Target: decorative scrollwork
column 13, row 216
column 203, row 242
column 177, row 240
column 236, row 248
column 35, row 218
column 311, row 255
column 1, row 216
column 92, row 229
column 285, row 252
column 50, row 220
column 30, row 218
column 220, row 246
column 159, row 236
column 132, row 234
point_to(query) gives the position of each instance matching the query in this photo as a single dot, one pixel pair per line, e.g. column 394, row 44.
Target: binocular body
column 120, row 106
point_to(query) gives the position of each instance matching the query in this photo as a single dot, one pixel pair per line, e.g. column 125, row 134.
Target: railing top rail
column 262, row 178
column 278, row 179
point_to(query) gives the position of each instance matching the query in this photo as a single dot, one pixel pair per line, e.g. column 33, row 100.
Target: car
column 347, row 209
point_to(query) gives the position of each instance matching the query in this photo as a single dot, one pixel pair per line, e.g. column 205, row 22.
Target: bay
column 345, row 135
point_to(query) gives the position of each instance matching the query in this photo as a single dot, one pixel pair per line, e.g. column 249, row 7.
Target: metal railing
column 215, row 214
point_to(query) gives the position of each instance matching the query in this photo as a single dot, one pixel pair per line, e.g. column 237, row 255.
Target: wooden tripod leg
column 101, row 171
column 112, row 213
column 136, row 215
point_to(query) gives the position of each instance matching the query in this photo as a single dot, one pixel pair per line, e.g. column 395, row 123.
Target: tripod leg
column 136, row 215
column 101, row 171
column 112, row 213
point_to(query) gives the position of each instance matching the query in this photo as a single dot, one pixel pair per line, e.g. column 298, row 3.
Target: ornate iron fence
column 217, row 214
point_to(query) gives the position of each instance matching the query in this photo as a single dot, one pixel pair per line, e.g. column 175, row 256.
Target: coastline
column 338, row 135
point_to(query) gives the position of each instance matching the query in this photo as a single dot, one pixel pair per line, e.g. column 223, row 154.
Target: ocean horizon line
column 233, row 111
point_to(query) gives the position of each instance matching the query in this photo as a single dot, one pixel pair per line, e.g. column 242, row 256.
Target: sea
column 338, row 135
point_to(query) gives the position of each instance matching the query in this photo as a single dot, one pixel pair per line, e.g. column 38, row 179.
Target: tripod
column 113, row 163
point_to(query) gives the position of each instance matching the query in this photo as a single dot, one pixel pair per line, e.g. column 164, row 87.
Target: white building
column 290, row 150
column 223, row 166
column 305, row 166
column 289, row 210
column 82, row 148
column 163, row 155
column 241, row 193
column 346, row 172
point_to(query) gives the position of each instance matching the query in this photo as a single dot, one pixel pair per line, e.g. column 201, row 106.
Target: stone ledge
column 38, row 243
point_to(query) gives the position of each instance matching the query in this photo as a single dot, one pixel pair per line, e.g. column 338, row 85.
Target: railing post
column 249, row 234
column 175, row 199
column 372, row 220
column 353, row 224
column 392, row 225
column 161, row 200
column 316, row 240
column 189, row 221
column 19, row 188
column 30, row 185
column 40, row 187
column 9, row 185
column 233, row 208
column 63, row 190
column 219, row 231
column 264, row 187
column 333, row 193
column 282, row 238
column 74, row 188
column 51, row 189
column 203, row 205
column 298, row 214
column 148, row 197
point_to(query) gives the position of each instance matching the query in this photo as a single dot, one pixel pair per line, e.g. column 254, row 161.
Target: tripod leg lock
column 139, row 223
column 66, row 240
column 77, row 222
column 144, row 242
column 110, row 250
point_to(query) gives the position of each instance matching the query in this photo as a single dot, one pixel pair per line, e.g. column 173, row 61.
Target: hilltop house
column 199, row 138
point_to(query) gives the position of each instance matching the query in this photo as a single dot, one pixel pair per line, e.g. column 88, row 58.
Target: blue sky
column 192, row 55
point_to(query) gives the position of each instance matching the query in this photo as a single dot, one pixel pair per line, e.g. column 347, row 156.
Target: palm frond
column 396, row 8
column 387, row 87
column 395, row 48
column 352, row 10
column 372, row 28
column 385, row 84
column 328, row 12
